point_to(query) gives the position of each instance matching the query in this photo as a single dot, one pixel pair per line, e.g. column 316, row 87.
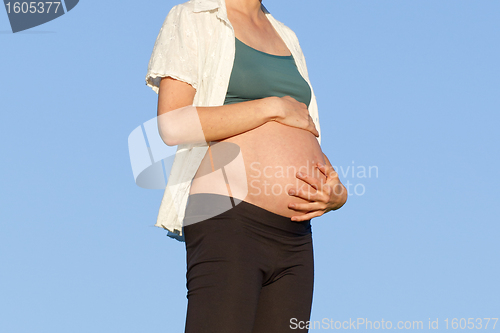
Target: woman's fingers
column 313, row 127
column 307, row 216
column 297, row 115
column 327, row 170
column 307, row 206
column 313, row 181
column 317, row 196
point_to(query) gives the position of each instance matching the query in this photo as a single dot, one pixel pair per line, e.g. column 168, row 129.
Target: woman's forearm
column 197, row 124
column 221, row 122
column 178, row 123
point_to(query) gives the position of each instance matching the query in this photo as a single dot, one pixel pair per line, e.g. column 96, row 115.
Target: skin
column 259, row 125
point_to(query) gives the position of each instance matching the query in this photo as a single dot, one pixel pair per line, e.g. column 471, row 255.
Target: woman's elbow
column 168, row 137
column 171, row 142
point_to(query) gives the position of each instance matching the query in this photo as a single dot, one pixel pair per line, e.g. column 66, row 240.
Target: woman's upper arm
column 175, row 54
column 174, row 94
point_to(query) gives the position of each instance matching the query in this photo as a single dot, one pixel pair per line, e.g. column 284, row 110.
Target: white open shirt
column 196, row 44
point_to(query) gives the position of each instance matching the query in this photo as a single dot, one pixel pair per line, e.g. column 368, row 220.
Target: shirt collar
column 220, row 5
column 205, row 5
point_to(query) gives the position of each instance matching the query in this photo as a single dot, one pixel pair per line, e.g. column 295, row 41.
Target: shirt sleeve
column 175, row 53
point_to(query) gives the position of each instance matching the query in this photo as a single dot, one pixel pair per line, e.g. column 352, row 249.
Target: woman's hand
column 293, row 113
column 324, row 196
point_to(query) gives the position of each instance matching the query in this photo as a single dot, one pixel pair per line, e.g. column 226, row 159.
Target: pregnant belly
column 260, row 166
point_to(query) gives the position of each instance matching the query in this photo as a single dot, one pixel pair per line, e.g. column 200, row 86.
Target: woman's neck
column 251, row 8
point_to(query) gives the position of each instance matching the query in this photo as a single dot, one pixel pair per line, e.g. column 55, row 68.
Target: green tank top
column 257, row 74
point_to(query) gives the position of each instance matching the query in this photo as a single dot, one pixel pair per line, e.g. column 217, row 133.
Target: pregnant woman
column 243, row 196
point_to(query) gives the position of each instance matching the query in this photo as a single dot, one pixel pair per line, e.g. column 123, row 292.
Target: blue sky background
column 411, row 88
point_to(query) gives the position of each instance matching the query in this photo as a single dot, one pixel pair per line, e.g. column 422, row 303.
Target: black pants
column 248, row 270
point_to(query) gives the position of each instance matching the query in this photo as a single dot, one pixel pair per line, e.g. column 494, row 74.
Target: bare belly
column 260, row 166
